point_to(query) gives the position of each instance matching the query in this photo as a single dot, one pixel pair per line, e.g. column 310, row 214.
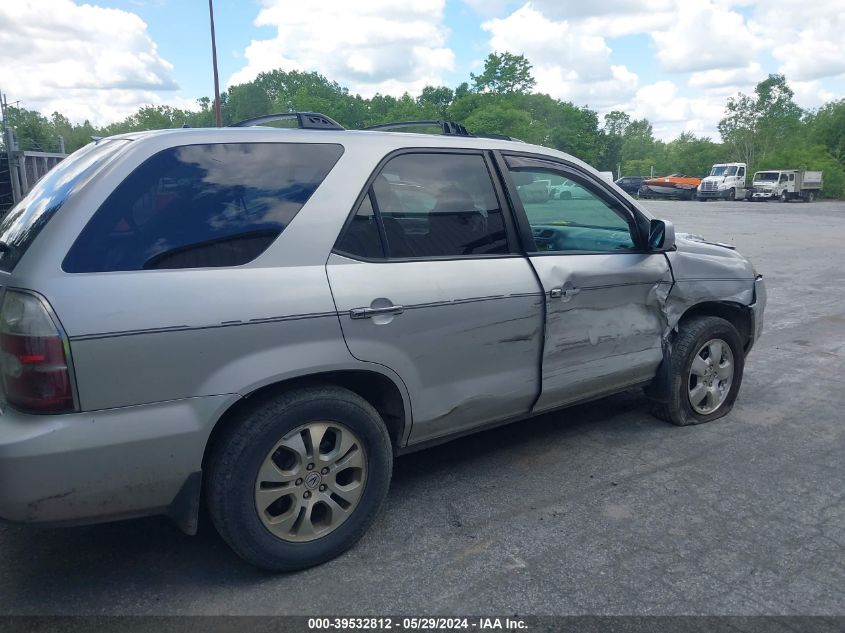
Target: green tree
column 826, row 128
column 615, row 124
column 436, row 98
column 149, row 118
column 637, row 140
column 248, row 100
column 500, row 119
column 504, row 73
column 754, row 125
column 691, row 155
column 75, row 136
column 33, row 130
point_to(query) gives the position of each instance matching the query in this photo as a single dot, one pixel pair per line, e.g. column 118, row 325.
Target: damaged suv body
column 261, row 319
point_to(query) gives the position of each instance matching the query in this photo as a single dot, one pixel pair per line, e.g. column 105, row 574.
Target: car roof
column 388, row 141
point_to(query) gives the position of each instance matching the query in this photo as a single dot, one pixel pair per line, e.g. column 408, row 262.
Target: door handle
column 368, row 313
column 563, row 293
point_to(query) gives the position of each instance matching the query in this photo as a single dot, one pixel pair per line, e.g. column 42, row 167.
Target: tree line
column 765, row 129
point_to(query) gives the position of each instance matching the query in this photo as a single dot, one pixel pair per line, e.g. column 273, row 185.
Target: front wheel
column 706, row 366
column 784, row 197
column 299, row 478
column 731, row 195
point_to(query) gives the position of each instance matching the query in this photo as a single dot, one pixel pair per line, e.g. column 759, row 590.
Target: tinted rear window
column 24, row 222
column 201, row 206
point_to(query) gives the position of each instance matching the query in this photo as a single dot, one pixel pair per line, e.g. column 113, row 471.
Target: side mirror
column 661, row 236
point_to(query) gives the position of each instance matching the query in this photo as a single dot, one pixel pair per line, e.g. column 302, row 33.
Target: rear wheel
column 299, row 478
column 706, row 366
column 811, row 196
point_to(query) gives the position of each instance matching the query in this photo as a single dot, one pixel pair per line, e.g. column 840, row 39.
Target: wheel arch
column 737, row 314
column 385, row 393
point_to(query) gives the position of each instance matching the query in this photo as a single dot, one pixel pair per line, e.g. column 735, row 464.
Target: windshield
column 24, row 222
column 766, row 176
column 723, row 170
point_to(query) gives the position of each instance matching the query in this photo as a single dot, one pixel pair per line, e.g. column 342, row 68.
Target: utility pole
column 11, row 144
column 217, row 114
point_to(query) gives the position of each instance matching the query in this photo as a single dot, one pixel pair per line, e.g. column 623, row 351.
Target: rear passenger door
column 428, row 281
column 603, row 289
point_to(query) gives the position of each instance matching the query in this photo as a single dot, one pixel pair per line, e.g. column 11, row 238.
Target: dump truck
column 785, row 185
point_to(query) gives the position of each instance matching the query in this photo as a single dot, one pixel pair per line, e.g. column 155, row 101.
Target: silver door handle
column 368, row 313
column 563, row 293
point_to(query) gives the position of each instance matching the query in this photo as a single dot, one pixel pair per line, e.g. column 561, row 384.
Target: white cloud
column 806, row 40
column 568, row 62
column 732, row 78
column 375, row 46
column 671, row 113
column 812, row 94
column 604, row 8
column 85, row 61
column 705, row 36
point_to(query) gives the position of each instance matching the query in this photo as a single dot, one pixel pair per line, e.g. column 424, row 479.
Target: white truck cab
column 726, row 181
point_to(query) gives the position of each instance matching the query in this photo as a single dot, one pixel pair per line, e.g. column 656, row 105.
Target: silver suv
column 260, row 319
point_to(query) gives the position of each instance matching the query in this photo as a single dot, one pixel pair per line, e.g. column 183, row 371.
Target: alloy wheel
column 710, row 376
column 311, row 481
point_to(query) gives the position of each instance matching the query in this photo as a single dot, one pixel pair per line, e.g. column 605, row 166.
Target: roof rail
column 449, row 128
column 499, row 137
column 305, row 120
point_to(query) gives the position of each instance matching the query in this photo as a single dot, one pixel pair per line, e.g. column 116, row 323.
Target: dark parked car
column 630, row 184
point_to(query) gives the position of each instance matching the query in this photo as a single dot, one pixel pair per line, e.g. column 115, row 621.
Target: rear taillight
column 33, row 356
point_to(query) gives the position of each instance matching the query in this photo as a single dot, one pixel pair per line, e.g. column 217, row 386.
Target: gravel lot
column 600, row 509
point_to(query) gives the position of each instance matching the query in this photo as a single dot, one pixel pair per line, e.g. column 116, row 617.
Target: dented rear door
column 427, row 282
column 604, row 296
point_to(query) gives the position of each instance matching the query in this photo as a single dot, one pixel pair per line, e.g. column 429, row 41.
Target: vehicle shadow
column 81, row 569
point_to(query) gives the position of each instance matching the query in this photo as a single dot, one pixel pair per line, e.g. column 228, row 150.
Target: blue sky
column 673, row 61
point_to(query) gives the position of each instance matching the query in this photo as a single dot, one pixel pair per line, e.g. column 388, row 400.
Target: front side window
column 438, row 205
column 567, row 213
column 741, row 172
column 201, row 206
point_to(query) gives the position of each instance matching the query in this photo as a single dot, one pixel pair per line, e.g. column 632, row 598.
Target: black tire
column 691, row 336
column 237, row 456
column 811, row 196
column 731, row 195
column 784, row 197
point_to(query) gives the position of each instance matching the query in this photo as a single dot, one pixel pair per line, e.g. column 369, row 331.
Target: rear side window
column 362, row 237
column 201, row 206
column 429, row 205
column 24, row 222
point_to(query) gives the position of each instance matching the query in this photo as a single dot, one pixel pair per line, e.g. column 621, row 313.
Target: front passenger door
column 603, row 289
